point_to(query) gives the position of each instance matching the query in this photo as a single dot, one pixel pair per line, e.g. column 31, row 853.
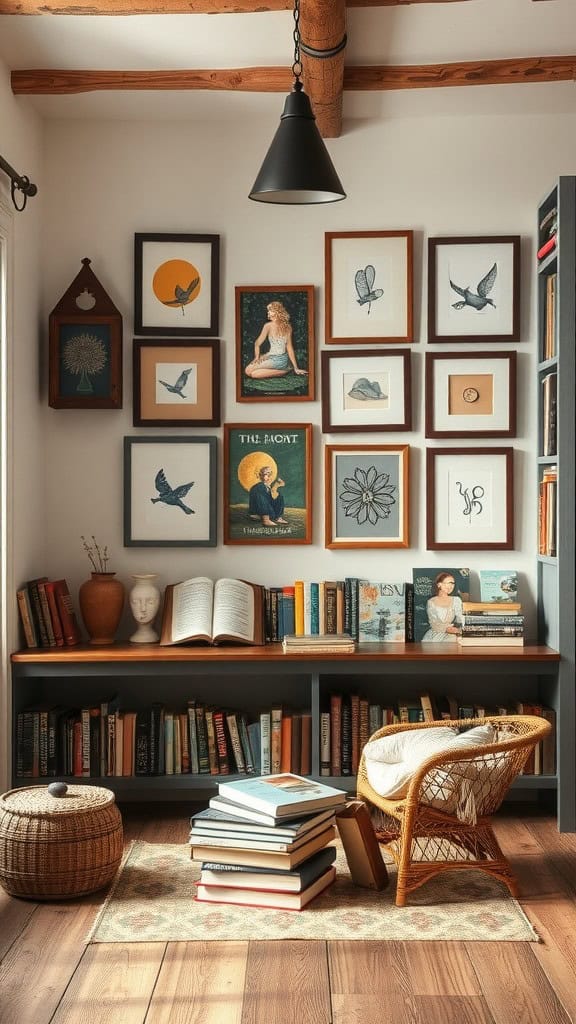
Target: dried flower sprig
column 98, row 556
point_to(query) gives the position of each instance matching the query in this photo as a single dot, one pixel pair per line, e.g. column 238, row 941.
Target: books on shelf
column 547, row 500
column 549, row 339
column 434, row 623
column 381, row 612
column 547, row 246
column 263, row 897
column 549, row 385
column 491, row 641
column 46, row 613
column 320, row 643
column 224, row 611
column 498, row 586
column 491, row 607
column 283, row 795
column 243, row 876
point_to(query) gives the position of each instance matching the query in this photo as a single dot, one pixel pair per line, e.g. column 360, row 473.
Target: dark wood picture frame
column 467, row 490
column 370, row 408
column 358, row 308
column 85, row 347
column 474, row 283
column 452, row 399
column 176, row 285
column 194, row 383
column 160, row 473
column 252, row 302
column 352, row 521
column 285, row 449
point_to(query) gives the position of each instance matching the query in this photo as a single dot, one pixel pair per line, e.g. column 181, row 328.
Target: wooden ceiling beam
column 45, row 82
column 323, row 30
column 128, row 7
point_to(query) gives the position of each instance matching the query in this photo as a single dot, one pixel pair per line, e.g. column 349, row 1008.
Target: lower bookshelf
column 251, row 678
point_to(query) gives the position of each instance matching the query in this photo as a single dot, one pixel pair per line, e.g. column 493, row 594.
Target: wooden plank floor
column 49, row 976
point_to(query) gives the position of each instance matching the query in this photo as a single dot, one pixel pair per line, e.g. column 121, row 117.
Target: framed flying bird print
column 176, row 383
column 170, row 492
column 369, row 287
column 176, row 285
column 474, row 289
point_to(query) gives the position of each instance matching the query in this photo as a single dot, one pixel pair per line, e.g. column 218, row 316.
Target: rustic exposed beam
column 125, row 7
column 510, row 71
column 323, row 29
column 273, row 79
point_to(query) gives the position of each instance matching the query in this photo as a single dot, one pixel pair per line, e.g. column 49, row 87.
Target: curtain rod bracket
column 19, row 183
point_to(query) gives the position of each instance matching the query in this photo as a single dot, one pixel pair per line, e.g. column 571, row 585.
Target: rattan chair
column 452, row 830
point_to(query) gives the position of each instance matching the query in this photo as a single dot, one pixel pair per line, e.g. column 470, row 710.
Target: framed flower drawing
column 474, row 289
column 176, row 285
column 366, row 503
column 469, row 499
column 85, row 347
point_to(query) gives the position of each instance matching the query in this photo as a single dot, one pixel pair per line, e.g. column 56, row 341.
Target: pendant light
column 297, row 168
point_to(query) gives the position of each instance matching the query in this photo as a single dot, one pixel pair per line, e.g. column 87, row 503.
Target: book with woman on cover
column 213, row 612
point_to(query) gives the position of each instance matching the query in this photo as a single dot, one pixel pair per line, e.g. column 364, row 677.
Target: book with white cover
column 282, row 795
column 264, row 898
column 265, row 858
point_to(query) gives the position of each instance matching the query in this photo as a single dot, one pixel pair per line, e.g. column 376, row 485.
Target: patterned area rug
column 152, row 901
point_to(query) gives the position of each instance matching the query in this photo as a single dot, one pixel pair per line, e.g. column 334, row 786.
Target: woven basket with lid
column 53, row 847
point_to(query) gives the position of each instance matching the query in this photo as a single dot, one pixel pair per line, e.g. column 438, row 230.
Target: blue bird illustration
column 171, row 495
column 479, row 299
column 178, row 387
column 182, row 295
column 364, row 280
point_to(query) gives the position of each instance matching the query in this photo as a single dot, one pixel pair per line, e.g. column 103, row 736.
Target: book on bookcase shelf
column 499, row 586
column 381, row 612
column 224, row 611
column 549, row 385
column 430, row 624
column 547, row 511
column 549, row 340
column 47, row 615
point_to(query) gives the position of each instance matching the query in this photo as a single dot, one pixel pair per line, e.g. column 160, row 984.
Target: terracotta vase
column 101, row 601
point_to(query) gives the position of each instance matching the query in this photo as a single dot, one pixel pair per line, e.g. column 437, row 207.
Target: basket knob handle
column 57, row 789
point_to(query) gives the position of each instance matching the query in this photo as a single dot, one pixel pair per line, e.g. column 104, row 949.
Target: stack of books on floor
column 264, row 841
column 318, row 643
column 492, row 624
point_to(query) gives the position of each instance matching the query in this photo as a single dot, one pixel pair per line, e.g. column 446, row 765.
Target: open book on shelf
column 213, row 612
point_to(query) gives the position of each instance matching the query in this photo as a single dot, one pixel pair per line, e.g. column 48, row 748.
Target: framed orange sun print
column 176, row 285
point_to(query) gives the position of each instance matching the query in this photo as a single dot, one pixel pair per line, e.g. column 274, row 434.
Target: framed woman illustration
column 275, row 343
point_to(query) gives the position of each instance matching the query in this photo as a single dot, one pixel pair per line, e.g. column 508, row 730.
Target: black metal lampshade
column 297, row 168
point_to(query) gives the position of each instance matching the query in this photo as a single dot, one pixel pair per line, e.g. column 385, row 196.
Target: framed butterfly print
column 474, row 289
column 176, row 383
column 369, row 287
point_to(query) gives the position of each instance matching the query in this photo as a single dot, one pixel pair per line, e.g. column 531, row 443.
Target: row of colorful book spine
column 351, row 719
column 105, row 740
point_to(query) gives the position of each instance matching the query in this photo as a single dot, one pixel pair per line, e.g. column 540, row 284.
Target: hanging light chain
column 297, row 65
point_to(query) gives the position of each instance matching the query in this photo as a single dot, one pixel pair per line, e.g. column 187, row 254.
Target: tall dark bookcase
column 556, row 273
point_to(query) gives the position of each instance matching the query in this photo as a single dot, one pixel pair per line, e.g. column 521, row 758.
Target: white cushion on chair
column 392, row 760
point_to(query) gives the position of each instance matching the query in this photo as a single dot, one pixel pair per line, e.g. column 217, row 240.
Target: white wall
column 436, row 175
column 20, row 145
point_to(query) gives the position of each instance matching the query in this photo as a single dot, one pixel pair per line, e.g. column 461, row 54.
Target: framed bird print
column 369, row 286
column 176, row 383
column 176, row 285
column 170, row 492
column 85, row 347
column 474, row 289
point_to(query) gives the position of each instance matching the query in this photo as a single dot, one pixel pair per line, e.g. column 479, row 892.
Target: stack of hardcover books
column 320, row 643
column 492, row 624
column 264, row 841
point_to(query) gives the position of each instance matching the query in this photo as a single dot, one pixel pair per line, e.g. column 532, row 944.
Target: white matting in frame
column 366, row 390
column 169, row 492
column 471, row 394
column 369, row 286
column 472, row 499
column 466, row 266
